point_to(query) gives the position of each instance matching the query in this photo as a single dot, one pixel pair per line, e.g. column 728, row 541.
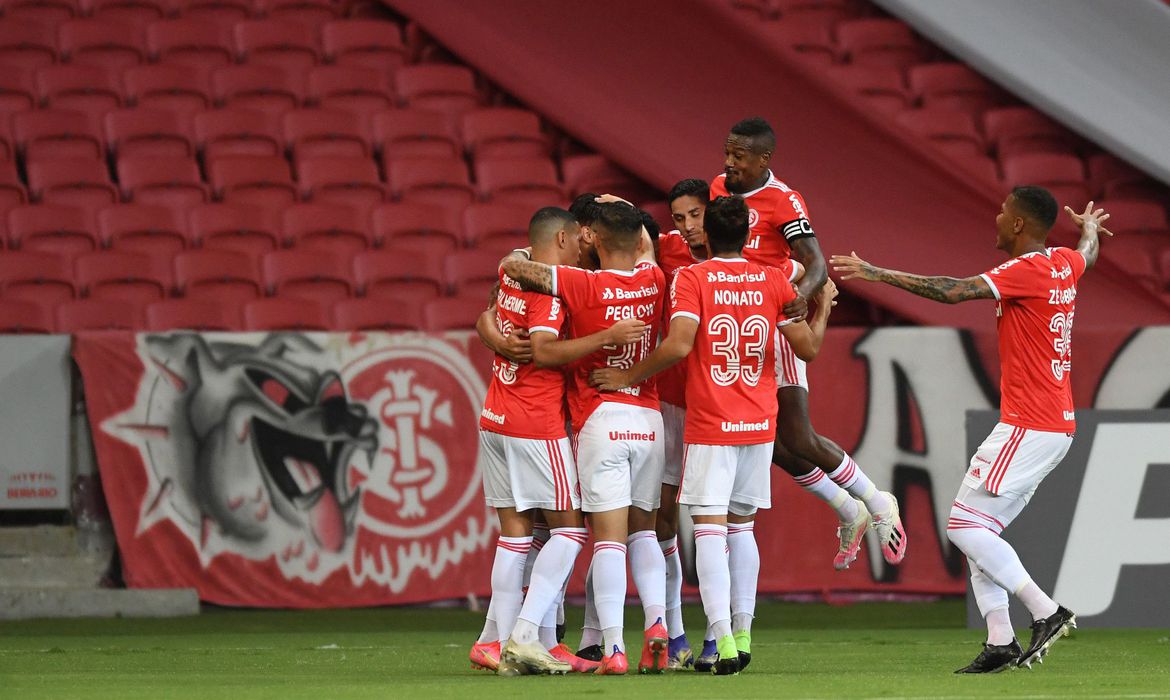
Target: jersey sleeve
column 545, row 314
column 569, row 283
column 790, row 217
column 1076, row 261
column 684, row 296
column 1015, row 279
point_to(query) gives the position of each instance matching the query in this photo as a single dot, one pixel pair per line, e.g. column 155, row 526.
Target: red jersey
column 525, row 401
column 595, row 300
column 731, row 385
column 673, row 253
column 777, row 216
column 1036, row 295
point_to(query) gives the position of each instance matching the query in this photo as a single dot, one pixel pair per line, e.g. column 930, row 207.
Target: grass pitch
column 871, row 650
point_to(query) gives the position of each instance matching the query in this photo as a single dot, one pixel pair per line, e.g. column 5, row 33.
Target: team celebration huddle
column 636, row 371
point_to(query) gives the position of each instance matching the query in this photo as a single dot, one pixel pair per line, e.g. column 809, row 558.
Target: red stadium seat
column 496, row 226
column 99, row 315
column 1135, row 216
column 1063, row 175
column 139, row 228
column 359, row 91
column 350, row 181
column 71, row 182
column 982, row 167
column 762, row 9
column 1164, row 268
column 310, row 274
column 376, row 315
column 52, row 229
column 458, row 313
column 257, row 180
column 18, row 89
column 7, row 141
column 502, row 132
column 810, row 38
column 832, row 11
column 472, row 272
column 44, row 278
column 879, row 42
column 191, row 42
column 443, row 88
column 1115, row 178
column 313, row 13
column 952, row 86
column 83, row 88
column 237, row 132
column 56, row 133
column 398, row 275
column 21, row 317
column 169, row 182
column 443, row 182
column 12, row 191
column 312, row 133
column 264, row 88
column 595, row 173
column 881, row 87
column 192, row 315
column 236, row 227
column 280, row 43
column 173, row 88
column 148, row 132
column 529, row 181
column 1017, row 130
column 404, row 222
column 364, row 43
column 138, row 12
column 414, row 133
column 102, row 43
column 329, row 227
column 225, row 276
column 226, row 12
column 949, row 130
column 47, row 12
column 1138, row 261
column 27, row 44
column 127, row 276
column 286, row 314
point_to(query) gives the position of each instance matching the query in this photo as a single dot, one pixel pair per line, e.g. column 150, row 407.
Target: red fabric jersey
column 776, row 215
column 731, row 384
column 595, row 301
column 673, row 254
column 1036, row 298
column 525, row 401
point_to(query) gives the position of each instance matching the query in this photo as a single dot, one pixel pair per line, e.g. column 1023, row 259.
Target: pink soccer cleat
column 613, row 665
column 562, row 652
column 891, row 533
column 654, row 649
column 851, row 535
column 485, row 656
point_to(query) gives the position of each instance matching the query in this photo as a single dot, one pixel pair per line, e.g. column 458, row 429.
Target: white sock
column 825, row 489
column 553, row 565
column 714, row 578
column 849, row 476
column 507, row 577
column 994, row 556
column 490, row 633
column 1036, row 601
column 548, row 627
column 744, row 564
column 540, row 535
column 674, row 582
column 648, row 566
column 999, row 627
column 591, row 628
column 609, row 591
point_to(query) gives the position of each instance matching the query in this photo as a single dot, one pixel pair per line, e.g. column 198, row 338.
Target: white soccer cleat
column 530, row 659
column 850, row 535
column 890, row 532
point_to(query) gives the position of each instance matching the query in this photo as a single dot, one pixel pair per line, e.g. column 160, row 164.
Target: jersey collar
column 761, row 188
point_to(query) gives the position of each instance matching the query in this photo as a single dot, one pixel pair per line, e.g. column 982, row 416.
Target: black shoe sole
column 726, row 667
column 745, row 658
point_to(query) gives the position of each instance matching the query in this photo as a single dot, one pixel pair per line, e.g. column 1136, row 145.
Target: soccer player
column 1035, row 293
column 528, row 463
column 619, row 434
column 780, row 229
column 727, row 310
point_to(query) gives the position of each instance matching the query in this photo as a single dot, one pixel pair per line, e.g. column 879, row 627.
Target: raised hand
column 1090, row 217
column 853, row 267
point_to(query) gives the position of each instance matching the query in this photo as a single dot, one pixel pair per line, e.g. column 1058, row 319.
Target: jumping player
column 1035, row 293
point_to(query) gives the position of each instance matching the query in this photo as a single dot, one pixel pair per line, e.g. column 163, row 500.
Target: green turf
column 883, row 650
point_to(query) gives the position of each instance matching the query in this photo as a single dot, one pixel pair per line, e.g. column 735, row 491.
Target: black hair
column 618, row 225
column 692, row 187
column 546, row 222
column 759, row 131
column 651, row 225
column 1037, row 204
column 584, row 207
column 726, row 224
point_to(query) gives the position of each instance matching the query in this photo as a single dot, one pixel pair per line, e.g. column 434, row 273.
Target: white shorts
column 790, row 369
column 674, row 420
column 620, row 457
column 1013, row 461
column 736, row 477
column 522, row 473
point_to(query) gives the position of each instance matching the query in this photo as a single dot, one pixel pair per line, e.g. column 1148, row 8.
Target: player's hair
column 618, row 226
column 1037, row 204
column 726, row 224
column 651, row 225
column 759, row 131
column 691, row 187
column 584, row 207
column 547, row 222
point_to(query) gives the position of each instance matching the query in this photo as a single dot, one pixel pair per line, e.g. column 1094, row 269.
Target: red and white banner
column 319, row 470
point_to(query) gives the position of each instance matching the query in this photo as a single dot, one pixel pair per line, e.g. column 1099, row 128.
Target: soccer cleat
column 728, row 661
column 743, row 644
column 678, row 654
column 613, row 665
column 1045, row 632
column 994, row 658
column 485, row 656
column 708, row 657
column 529, row 659
column 562, row 652
column 590, row 653
column 890, row 532
column 654, row 646
column 851, row 534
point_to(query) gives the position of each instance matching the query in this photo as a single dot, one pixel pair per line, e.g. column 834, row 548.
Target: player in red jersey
column 1035, row 293
column 781, row 229
column 619, row 434
column 727, row 310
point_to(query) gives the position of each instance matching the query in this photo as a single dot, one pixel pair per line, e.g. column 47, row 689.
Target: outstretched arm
column 1089, row 222
column 531, row 276
column 548, row 351
column 949, row 290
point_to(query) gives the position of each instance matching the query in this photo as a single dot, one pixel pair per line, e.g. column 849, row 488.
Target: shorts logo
column 616, row 435
column 975, row 472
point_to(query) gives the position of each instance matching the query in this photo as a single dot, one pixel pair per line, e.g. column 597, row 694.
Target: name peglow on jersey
column 1036, row 299
column 777, row 216
column 673, row 254
column 525, row 401
column 595, row 300
column 731, row 385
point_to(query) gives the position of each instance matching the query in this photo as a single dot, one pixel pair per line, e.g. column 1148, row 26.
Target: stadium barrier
column 35, row 403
